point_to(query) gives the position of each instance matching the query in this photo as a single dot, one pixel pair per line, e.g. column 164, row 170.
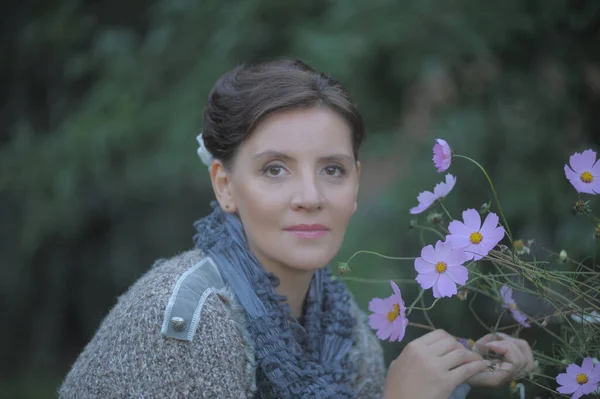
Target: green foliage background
column 102, row 102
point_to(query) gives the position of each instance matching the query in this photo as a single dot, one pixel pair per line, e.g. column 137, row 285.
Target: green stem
column 376, row 281
column 508, row 233
column 377, row 254
column 446, row 210
column 409, row 309
column 429, row 308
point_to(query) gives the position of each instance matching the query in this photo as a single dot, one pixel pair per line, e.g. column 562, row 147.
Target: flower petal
column 458, row 274
column 459, row 242
column 583, row 162
column 458, row 228
column 396, row 290
column 570, row 388
column 378, row 321
column 506, row 294
column 489, row 224
column 378, row 305
column 587, row 365
column 385, row 332
column 421, row 266
column 428, row 280
column 428, row 254
column 426, row 198
column 565, row 379
column 456, row 257
column 472, row 219
column 446, row 287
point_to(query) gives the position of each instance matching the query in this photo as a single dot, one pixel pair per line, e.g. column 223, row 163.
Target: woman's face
column 294, row 184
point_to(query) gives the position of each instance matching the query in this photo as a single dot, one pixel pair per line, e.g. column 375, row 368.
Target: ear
column 357, row 184
column 221, row 182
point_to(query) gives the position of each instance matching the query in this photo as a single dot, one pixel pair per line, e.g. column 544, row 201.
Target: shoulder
column 367, row 357
column 132, row 354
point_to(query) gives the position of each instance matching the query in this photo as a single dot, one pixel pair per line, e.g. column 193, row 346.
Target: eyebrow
column 276, row 154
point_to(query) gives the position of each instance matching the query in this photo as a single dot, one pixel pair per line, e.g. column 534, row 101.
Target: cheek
column 342, row 204
column 259, row 206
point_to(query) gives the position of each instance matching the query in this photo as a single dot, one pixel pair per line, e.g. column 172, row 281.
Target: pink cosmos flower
column 442, row 155
column 475, row 239
column 441, row 268
column 427, row 198
column 583, row 172
column 510, row 304
column 579, row 380
column 388, row 316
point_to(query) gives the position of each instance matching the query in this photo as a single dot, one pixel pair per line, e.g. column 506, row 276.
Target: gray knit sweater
column 129, row 357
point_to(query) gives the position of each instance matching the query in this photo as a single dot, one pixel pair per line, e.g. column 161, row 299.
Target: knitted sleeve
column 129, row 358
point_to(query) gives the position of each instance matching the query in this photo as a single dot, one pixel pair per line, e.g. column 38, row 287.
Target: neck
column 293, row 284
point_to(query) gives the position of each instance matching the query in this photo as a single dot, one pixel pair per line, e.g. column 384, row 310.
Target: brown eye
column 333, row 171
column 274, row 170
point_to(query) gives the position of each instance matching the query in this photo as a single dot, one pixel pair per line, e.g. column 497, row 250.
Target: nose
column 308, row 195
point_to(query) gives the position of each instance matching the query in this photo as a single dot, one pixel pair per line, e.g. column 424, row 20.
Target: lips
column 307, row 227
column 308, row 230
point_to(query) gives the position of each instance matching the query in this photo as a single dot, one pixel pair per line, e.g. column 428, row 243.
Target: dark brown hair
column 246, row 95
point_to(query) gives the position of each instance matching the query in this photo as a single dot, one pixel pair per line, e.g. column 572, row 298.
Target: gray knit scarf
column 294, row 360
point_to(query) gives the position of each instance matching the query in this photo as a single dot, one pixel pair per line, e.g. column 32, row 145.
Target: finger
column 480, row 343
column 511, row 353
column 432, row 337
column 458, row 357
column 445, row 345
column 467, row 370
column 525, row 349
column 527, row 353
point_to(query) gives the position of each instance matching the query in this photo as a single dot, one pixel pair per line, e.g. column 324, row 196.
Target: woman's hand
column 431, row 367
column 517, row 360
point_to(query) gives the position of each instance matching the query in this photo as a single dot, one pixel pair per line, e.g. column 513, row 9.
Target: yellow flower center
column 441, row 267
column 391, row 316
column 476, row 237
column 519, row 245
column 582, row 378
column 586, row 177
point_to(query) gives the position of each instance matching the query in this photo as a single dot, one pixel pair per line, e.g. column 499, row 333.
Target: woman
column 252, row 311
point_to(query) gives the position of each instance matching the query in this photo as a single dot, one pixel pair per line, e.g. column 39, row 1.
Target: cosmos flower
column 441, row 268
column 583, row 172
column 427, row 198
column 579, row 380
column 471, row 236
column 442, row 155
column 510, row 304
column 388, row 316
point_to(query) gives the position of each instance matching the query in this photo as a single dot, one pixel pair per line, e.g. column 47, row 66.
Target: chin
column 308, row 260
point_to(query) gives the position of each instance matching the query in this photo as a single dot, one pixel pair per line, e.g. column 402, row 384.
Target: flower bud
column 520, row 247
column 343, row 268
column 462, row 294
column 563, row 256
column 485, row 208
column 435, row 218
column 580, row 207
